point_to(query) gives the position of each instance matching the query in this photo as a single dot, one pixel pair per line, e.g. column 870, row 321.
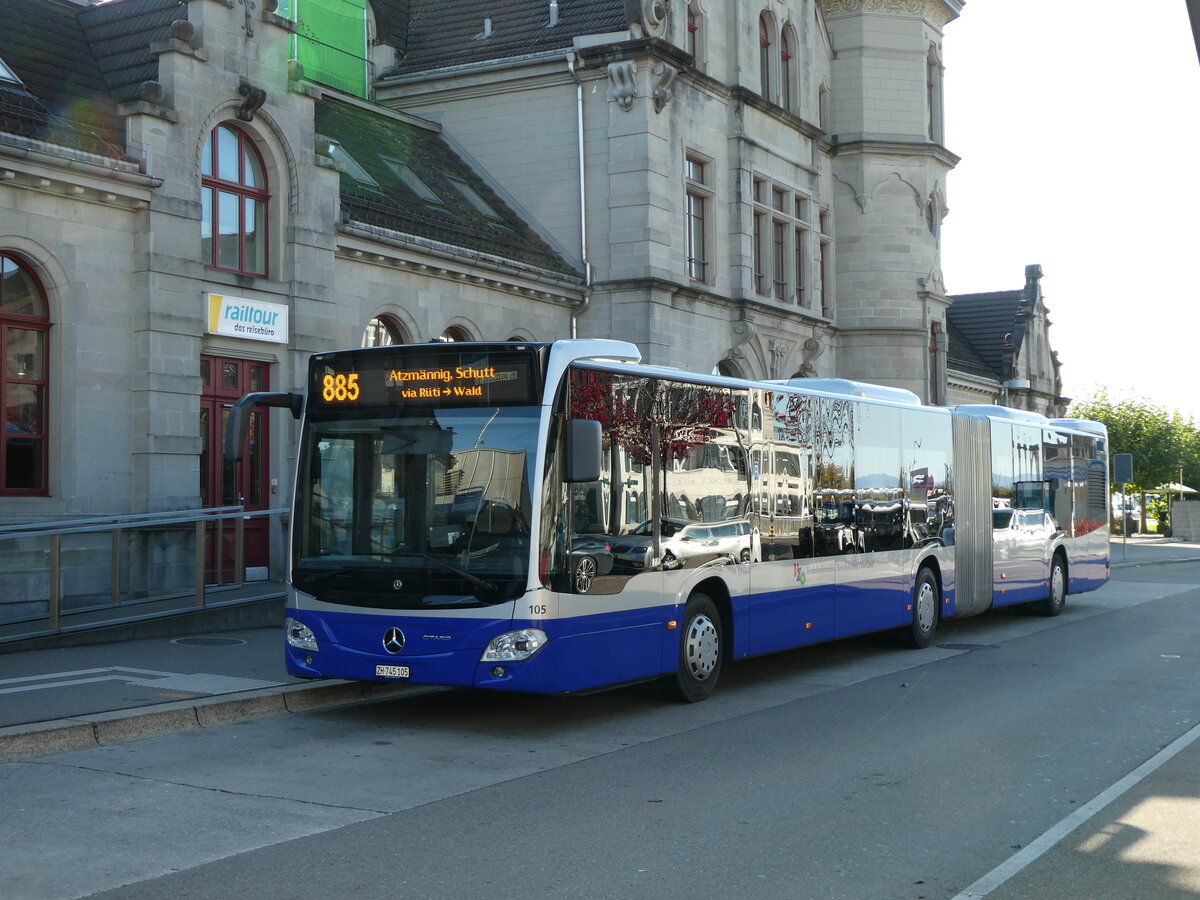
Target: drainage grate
column 969, row 646
column 208, row 641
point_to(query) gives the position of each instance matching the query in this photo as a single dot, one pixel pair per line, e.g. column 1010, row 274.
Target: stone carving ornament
column 813, row 348
column 780, row 351
column 744, row 331
column 932, row 10
column 663, row 81
column 622, row 82
column 646, row 18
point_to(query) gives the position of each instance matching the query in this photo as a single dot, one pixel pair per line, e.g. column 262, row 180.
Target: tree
column 1164, row 445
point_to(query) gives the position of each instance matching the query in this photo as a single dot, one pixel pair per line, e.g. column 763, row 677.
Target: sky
column 1078, row 127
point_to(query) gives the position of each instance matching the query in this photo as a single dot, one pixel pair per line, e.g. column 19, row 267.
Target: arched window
column 383, row 331
column 764, row 56
column 699, row 197
column 729, row 368
column 695, row 35
column 233, row 203
column 24, row 327
column 933, row 89
column 933, row 215
column 786, row 69
column 454, row 333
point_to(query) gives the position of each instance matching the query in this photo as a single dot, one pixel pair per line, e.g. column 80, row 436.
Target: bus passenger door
column 1020, row 538
column 1036, row 532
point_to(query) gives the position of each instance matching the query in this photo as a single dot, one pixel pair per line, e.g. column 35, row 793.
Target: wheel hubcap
column 1057, row 587
column 926, row 606
column 584, row 573
column 701, row 647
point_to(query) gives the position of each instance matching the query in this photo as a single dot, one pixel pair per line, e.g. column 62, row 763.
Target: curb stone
column 22, row 742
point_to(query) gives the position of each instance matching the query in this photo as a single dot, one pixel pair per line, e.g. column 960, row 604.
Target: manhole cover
column 208, row 641
column 969, row 646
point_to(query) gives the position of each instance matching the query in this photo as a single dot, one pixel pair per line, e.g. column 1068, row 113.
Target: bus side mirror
column 238, row 422
column 584, row 447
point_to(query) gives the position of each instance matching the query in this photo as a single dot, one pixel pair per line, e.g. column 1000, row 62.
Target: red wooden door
column 247, row 483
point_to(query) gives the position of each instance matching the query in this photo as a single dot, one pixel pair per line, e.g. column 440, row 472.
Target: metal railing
column 204, row 521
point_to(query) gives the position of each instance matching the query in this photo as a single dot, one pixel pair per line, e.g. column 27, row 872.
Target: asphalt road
column 854, row 770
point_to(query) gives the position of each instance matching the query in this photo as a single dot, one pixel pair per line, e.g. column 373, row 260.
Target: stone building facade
column 758, row 188
column 752, row 188
column 161, row 176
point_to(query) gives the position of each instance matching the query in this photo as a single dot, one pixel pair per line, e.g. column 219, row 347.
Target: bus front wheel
column 700, row 649
column 925, row 601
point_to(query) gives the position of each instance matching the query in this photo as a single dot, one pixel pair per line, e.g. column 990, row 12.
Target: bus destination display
column 450, row 378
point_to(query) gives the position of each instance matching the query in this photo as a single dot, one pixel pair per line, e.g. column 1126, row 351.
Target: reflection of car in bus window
column 591, row 557
column 683, row 543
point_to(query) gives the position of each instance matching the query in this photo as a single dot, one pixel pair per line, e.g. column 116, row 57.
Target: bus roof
column 987, row 411
column 854, row 389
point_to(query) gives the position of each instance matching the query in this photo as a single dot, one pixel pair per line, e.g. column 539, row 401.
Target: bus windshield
column 415, row 508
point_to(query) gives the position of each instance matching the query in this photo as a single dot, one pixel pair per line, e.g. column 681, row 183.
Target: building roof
column 977, row 325
column 120, row 34
column 980, row 322
column 442, row 35
column 392, row 20
column 962, row 356
column 406, row 178
column 63, row 98
column 77, row 62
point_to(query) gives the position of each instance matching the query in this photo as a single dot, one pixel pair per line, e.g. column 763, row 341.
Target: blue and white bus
column 557, row 517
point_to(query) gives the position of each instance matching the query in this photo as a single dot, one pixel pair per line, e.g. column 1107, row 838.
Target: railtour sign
column 251, row 320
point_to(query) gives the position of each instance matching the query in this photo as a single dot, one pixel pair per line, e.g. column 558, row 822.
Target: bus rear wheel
column 701, row 645
column 925, row 602
column 1057, row 598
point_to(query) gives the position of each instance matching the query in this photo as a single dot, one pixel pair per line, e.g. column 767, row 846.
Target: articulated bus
column 557, row 517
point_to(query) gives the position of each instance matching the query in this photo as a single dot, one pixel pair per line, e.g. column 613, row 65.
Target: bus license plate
column 391, row 672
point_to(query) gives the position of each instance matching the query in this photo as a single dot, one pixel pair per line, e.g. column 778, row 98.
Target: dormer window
column 7, row 74
column 340, row 154
column 472, row 196
column 412, row 181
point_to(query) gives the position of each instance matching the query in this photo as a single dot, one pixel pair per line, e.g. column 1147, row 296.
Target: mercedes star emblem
column 393, row 640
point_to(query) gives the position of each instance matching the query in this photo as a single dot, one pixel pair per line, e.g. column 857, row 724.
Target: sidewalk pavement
column 1143, row 549
column 205, row 668
column 219, row 666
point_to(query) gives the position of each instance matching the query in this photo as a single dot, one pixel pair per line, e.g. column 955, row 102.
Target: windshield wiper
column 312, row 579
column 469, row 577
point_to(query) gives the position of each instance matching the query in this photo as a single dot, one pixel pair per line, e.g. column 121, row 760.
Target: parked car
column 1131, row 508
column 591, row 556
column 683, row 543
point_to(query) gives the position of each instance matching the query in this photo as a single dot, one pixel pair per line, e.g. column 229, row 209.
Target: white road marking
column 197, row 683
column 1048, row 839
column 82, row 672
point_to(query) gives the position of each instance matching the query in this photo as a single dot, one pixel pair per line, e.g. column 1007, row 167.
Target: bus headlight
column 514, row 646
column 299, row 635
